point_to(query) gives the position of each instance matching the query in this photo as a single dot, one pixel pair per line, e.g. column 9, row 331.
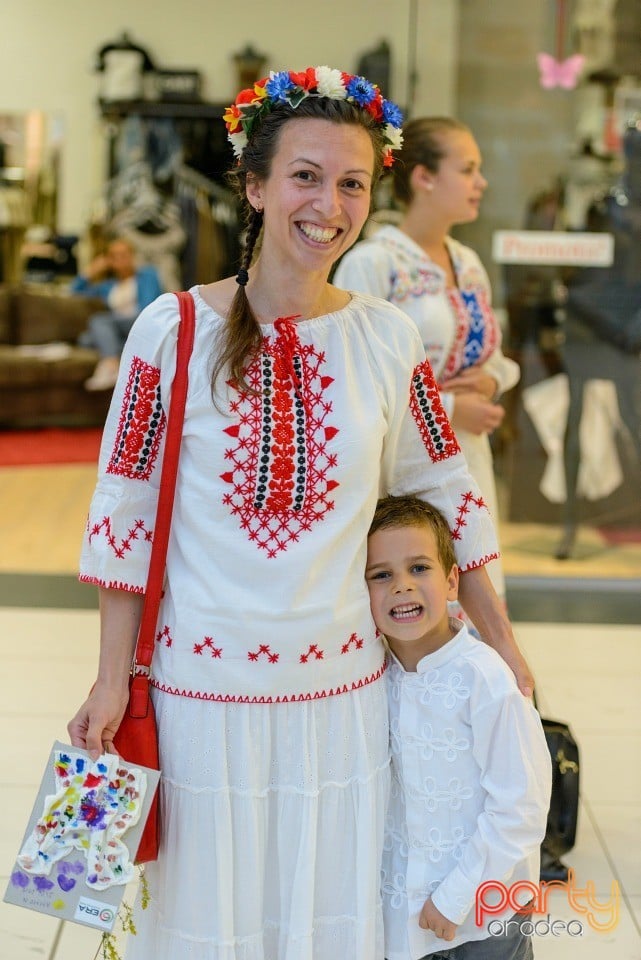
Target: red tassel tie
column 290, row 345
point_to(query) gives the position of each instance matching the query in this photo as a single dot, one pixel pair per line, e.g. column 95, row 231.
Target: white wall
column 436, row 40
column 48, row 49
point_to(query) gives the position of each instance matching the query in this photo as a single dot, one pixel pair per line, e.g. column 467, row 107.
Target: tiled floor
column 587, row 675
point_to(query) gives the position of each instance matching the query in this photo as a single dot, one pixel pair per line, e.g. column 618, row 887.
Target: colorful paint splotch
column 94, row 804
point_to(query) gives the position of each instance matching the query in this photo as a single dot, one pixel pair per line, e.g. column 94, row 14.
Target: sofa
column 42, row 369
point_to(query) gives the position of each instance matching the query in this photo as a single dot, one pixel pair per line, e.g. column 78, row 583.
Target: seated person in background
column 471, row 774
column 126, row 290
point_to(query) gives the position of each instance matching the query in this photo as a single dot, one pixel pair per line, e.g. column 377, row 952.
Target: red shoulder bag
column 137, row 738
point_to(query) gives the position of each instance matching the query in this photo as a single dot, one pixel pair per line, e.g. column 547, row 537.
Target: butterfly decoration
column 559, row 73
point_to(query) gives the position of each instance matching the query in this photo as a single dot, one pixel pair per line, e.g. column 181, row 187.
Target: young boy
column 471, row 771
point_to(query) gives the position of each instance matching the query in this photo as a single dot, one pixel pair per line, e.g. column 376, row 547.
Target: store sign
column 553, row 247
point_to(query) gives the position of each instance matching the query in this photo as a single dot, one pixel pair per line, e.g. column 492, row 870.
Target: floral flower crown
column 288, row 87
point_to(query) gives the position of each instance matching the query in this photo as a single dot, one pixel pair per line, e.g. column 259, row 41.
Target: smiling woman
column 297, row 417
column 320, row 183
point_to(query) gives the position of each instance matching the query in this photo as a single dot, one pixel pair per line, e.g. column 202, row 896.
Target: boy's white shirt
column 471, row 780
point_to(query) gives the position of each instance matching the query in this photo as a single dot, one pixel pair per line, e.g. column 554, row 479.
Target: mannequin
column 603, row 322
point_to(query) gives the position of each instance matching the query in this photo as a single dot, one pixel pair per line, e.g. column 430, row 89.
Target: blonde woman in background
column 442, row 285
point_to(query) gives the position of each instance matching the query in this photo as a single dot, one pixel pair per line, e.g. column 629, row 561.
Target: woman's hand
column 509, row 651
column 474, row 413
column 432, row 919
column 472, row 380
column 94, row 726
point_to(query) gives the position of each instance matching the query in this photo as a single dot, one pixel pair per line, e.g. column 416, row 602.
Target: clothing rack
column 189, row 179
column 210, row 216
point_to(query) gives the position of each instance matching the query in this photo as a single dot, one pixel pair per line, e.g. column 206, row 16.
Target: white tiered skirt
column 272, row 830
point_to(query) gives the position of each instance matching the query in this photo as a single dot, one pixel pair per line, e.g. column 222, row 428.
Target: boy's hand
column 432, row 919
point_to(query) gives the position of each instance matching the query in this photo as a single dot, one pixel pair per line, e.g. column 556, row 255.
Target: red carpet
column 20, row 448
column 616, row 536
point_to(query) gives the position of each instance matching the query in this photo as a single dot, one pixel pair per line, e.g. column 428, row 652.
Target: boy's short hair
column 412, row 512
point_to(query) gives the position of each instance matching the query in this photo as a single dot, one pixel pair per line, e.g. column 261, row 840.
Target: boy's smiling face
column 409, row 591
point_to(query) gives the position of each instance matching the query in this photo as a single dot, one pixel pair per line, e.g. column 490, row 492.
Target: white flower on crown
column 393, row 136
column 238, row 142
column 330, row 83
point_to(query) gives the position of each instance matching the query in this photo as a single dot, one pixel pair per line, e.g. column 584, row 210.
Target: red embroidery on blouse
column 454, row 359
column 478, row 318
column 475, row 564
column 280, row 469
column 468, row 501
column 141, row 425
column 313, row 652
column 354, row 640
column 429, row 415
column 208, row 643
column 263, row 651
column 111, row 584
column 167, row 636
column 285, row 698
column 125, row 545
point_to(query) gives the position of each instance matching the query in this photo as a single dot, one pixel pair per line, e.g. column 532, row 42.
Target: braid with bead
column 242, row 336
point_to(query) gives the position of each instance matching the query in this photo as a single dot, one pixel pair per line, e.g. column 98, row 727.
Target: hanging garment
column 547, row 404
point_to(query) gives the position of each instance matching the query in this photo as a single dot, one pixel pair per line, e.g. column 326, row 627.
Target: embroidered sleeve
column 422, row 457
column 141, row 424
column 120, row 525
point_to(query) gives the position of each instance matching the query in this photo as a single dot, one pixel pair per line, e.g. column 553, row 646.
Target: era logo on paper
column 95, row 913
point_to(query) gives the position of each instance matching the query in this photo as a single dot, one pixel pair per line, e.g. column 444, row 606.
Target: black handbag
column 560, row 835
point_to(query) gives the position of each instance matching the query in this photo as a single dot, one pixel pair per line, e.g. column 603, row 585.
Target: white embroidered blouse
column 457, row 325
column 471, row 780
column 265, row 597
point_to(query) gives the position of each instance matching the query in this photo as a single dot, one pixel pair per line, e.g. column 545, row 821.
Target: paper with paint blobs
column 78, row 851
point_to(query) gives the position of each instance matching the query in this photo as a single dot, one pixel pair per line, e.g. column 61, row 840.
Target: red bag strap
column 155, row 578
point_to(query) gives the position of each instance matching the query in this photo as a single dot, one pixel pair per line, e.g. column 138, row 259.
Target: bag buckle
column 565, row 764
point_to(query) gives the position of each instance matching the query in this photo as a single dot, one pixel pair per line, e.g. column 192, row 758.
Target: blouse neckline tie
column 290, row 345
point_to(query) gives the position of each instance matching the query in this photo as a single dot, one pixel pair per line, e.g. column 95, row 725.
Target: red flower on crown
column 307, row 80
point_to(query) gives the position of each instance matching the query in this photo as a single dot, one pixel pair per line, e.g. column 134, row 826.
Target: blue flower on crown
column 361, row 91
column 392, row 114
column 279, row 87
